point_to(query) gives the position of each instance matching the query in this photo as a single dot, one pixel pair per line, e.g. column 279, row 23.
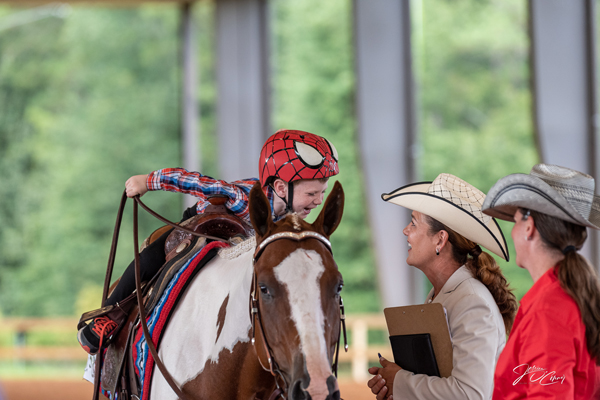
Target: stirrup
column 117, row 313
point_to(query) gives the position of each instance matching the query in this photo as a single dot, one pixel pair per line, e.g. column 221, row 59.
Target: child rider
column 294, row 167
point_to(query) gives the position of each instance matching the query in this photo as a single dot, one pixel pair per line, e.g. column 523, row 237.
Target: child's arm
column 202, row 186
column 194, row 183
column 136, row 185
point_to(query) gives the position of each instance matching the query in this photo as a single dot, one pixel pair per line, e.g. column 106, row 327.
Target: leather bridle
column 255, row 315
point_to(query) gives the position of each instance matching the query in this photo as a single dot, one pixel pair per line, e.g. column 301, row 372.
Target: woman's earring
column 437, row 251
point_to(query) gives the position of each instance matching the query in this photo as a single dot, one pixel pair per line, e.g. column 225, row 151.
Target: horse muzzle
column 297, row 391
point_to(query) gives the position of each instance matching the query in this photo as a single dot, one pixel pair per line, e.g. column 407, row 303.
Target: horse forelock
column 292, row 223
column 295, row 220
column 300, row 273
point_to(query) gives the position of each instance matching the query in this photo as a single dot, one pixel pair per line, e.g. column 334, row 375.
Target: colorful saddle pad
column 158, row 319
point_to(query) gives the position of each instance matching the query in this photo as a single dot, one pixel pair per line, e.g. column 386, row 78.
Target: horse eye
column 339, row 288
column 265, row 290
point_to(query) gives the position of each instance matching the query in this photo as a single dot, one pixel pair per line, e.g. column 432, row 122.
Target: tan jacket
column 478, row 337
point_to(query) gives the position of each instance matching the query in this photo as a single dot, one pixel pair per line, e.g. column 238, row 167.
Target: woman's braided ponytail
column 483, row 267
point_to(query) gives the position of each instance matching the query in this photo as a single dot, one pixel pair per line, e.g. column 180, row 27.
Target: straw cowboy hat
column 456, row 204
column 550, row 189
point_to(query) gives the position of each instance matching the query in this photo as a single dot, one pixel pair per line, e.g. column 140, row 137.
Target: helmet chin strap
column 289, row 202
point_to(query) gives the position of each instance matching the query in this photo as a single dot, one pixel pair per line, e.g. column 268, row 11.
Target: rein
column 256, row 315
column 142, row 311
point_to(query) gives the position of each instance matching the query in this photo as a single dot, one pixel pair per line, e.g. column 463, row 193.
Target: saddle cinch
column 118, row 375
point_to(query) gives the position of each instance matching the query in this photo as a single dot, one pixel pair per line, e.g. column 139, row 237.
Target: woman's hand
column 136, row 185
column 382, row 384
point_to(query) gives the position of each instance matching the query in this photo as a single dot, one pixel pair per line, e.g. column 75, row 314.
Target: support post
column 360, row 344
column 190, row 149
column 563, row 63
column 243, row 112
column 386, row 125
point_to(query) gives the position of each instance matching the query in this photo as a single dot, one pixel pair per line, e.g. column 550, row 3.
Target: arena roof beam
column 563, row 65
column 386, row 126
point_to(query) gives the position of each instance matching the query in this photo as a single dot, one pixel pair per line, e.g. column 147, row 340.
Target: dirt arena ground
column 82, row 390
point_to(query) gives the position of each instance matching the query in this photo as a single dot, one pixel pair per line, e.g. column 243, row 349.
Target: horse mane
column 230, row 253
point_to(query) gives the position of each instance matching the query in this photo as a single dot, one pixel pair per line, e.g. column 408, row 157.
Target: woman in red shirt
column 554, row 346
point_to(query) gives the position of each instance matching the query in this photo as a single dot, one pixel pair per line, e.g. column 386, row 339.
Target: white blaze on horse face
column 300, row 273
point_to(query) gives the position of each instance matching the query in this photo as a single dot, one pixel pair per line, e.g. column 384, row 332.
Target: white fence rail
column 359, row 354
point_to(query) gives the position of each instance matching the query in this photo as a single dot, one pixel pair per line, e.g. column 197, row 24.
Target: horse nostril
column 297, row 393
column 333, row 388
column 334, row 396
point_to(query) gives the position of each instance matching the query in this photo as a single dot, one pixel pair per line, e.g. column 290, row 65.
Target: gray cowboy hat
column 456, row 204
column 550, row 189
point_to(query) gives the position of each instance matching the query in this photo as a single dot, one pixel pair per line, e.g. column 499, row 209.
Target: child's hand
column 136, row 185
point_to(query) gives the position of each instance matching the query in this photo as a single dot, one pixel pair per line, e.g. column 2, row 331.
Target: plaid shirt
column 202, row 186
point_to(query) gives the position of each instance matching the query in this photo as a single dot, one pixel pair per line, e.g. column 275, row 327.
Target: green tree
column 109, row 109
column 475, row 103
column 21, row 84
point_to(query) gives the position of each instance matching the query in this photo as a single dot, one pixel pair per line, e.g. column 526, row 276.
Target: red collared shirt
column 546, row 356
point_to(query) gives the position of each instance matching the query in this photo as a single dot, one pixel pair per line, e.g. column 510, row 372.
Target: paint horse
column 208, row 344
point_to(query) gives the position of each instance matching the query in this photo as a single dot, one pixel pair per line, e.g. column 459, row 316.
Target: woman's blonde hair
column 575, row 274
column 484, row 267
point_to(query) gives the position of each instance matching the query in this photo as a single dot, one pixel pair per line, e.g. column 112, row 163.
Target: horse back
column 207, row 339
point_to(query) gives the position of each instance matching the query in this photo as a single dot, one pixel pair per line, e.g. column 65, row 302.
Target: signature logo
column 536, row 375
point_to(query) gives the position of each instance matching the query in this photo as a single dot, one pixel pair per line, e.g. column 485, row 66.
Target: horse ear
column 260, row 211
column 331, row 214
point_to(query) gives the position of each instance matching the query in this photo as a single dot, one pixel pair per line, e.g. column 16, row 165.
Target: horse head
column 296, row 296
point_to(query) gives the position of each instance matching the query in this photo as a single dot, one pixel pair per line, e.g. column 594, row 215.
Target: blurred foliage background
column 92, row 98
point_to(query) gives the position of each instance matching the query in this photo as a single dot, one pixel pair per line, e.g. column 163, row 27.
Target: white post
column 189, row 103
column 359, row 350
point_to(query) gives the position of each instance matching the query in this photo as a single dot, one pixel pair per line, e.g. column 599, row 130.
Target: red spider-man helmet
column 293, row 155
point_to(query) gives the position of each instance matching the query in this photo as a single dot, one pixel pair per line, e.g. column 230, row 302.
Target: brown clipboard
column 425, row 318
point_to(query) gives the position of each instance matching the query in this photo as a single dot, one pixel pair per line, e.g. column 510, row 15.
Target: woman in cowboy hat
column 443, row 237
column 554, row 346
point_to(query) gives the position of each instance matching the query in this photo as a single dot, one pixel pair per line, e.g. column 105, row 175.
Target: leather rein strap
column 142, row 311
column 109, row 270
column 173, row 224
column 256, row 315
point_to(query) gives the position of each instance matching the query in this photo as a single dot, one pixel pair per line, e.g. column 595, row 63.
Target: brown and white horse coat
column 207, row 345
